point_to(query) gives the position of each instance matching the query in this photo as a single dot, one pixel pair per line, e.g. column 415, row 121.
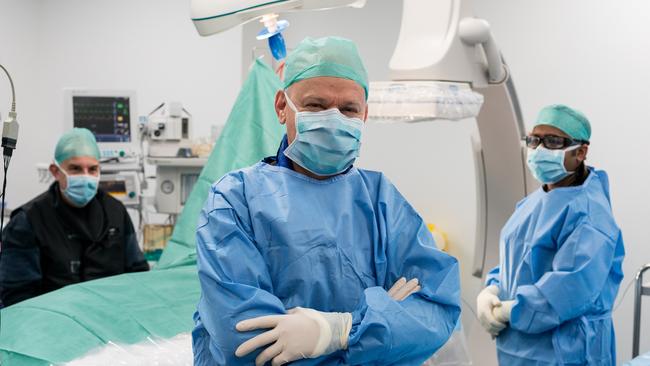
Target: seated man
column 71, row 233
column 298, row 254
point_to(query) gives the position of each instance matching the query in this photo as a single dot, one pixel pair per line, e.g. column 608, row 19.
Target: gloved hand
column 502, row 313
column 402, row 289
column 302, row 333
column 486, row 301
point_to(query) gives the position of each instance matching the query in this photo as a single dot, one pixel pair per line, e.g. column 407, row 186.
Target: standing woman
column 549, row 300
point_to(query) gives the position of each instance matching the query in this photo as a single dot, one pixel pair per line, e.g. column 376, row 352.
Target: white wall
column 595, row 56
column 147, row 45
column 19, row 53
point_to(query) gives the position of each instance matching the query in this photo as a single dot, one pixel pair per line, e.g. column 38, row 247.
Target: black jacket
column 49, row 244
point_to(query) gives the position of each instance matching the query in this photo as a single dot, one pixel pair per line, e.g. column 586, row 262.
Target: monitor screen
column 107, row 117
column 113, row 187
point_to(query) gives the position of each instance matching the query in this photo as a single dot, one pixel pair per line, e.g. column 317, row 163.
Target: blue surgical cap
column 74, row 143
column 329, row 56
column 566, row 119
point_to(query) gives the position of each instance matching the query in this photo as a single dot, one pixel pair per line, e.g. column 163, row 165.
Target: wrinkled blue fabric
column 270, row 239
column 561, row 261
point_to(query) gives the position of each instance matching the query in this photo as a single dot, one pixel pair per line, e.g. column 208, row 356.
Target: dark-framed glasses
column 552, row 142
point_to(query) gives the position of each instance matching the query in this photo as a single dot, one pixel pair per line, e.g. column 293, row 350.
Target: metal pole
column 638, row 292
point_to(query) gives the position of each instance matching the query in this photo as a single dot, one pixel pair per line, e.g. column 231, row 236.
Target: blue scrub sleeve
column 493, row 277
column 234, row 280
column 580, row 270
column 387, row 332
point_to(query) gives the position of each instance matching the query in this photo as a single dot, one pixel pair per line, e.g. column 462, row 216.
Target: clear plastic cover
column 643, row 360
column 422, row 101
column 176, row 351
column 454, row 353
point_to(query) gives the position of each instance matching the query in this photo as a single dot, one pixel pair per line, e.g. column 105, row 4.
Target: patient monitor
column 109, row 114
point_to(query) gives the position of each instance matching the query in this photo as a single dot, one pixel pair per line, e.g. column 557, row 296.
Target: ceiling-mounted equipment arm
column 476, row 31
column 438, row 41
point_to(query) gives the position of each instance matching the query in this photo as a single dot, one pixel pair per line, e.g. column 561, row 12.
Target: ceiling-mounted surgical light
column 215, row 16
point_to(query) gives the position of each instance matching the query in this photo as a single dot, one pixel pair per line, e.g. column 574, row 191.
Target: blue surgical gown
column 270, row 239
column 561, row 254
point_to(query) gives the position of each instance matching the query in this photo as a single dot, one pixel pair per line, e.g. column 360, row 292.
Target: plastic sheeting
column 643, row 360
column 63, row 325
column 176, row 351
column 454, row 353
column 415, row 101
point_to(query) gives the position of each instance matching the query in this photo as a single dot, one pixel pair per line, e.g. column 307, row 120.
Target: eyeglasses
column 552, row 142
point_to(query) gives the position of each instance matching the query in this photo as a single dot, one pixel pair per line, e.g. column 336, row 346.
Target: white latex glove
column 486, row 301
column 502, row 313
column 402, row 289
column 302, row 333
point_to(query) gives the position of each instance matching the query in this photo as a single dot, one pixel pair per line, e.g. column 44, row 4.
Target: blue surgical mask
column 80, row 189
column 326, row 142
column 547, row 166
